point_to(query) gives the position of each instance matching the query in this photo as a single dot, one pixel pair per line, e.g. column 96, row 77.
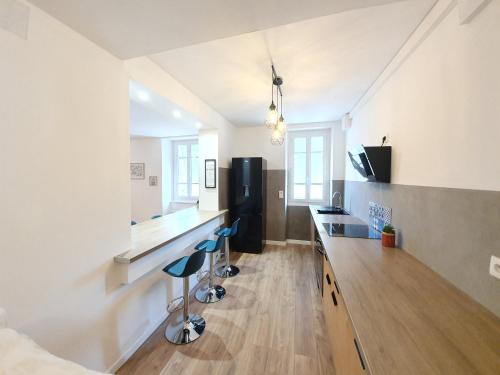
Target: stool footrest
column 175, row 304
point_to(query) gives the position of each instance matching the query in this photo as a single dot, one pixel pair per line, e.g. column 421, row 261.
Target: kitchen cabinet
column 347, row 355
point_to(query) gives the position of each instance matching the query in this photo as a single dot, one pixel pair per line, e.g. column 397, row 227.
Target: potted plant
column 388, row 236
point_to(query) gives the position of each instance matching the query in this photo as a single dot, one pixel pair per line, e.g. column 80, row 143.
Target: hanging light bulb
column 281, row 126
column 272, row 114
column 277, row 138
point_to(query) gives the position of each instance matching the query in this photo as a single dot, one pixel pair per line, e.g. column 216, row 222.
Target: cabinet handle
column 336, row 286
column 328, row 279
column 359, row 354
column 334, row 299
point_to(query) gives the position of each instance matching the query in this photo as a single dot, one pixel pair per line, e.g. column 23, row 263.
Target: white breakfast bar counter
column 159, row 241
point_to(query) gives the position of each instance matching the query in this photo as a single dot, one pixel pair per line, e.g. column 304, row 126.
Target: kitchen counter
column 156, row 233
column 407, row 318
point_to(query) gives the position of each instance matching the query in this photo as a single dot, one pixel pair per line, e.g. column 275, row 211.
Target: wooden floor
column 270, row 322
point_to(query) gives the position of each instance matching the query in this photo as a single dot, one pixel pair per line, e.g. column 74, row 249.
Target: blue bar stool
column 192, row 326
column 227, row 270
column 210, row 293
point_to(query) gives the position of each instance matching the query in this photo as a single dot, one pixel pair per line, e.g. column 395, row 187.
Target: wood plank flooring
column 270, row 322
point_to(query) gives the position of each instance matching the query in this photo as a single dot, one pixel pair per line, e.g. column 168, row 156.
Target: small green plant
column 389, row 229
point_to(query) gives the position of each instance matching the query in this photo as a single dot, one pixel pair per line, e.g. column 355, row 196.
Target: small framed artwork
column 210, row 173
column 153, row 180
column 137, row 171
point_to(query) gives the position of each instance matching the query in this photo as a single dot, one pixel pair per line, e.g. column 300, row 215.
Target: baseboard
column 136, row 345
column 278, row 243
column 297, row 242
column 288, row 241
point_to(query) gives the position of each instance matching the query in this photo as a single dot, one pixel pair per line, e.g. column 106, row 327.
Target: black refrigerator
column 247, row 201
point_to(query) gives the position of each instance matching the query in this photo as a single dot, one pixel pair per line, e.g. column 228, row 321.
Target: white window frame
column 190, row 198
column 308, row 134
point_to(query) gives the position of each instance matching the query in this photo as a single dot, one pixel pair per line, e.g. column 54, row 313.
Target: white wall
column 256, row 142
column 338, row 151
column 440, row 104
column 147, row 200
column 65, row 197
column 208, row 141
column 167, row 174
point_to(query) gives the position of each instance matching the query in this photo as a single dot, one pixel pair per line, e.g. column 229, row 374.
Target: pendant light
column 274, row 119
column 272, row 114
column 281, row 126
column 277, row 138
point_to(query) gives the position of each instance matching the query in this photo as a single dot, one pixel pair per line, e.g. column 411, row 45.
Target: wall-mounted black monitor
column 372, row 162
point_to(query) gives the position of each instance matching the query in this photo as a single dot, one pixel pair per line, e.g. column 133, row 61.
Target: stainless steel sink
column 330, row 210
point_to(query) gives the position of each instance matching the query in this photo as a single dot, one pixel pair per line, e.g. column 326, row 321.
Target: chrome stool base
column 210, row 295
column 227, row 271
column 179, row 332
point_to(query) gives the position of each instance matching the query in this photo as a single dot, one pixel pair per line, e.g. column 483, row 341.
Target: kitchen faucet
column 340, row 199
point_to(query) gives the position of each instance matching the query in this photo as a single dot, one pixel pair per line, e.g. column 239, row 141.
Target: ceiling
column 329, row 52
column 151, row 115
column 327, row 63
column 132, row 28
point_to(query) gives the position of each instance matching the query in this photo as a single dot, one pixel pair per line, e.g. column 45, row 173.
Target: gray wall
column 297, row 217
column 453, row 231
column 223, row 188
column 275, row 207
column 298, row 223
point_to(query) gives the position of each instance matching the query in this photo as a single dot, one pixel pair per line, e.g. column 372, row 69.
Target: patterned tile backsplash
column 379, row 215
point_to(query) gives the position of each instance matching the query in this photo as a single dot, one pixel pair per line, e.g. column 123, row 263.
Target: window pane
column 182, row 151
column 195, row 190
column 316, row 192
column 316, row 144
column 299, row 168
column 299, row 144
column 194, row 170
column 182, row 170
column 182, row 190
column 299, row 192
column 194, row 150
column 317, row 168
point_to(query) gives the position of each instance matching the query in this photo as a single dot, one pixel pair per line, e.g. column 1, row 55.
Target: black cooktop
column 351, row 230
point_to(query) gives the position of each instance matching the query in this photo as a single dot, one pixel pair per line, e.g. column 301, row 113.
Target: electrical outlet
column 281, row 194
column 495, row 267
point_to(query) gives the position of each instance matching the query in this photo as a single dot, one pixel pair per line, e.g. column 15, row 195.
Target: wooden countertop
column 154, row 234
column 408, row 319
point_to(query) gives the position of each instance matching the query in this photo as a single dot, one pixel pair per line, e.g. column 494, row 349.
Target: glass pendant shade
column 281, row 126
column 272, row 116
column 277, row 138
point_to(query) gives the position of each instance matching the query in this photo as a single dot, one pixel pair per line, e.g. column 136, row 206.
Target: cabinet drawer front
column 328, row 277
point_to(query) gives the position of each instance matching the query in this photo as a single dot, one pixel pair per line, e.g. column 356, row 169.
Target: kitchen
column 345, row 224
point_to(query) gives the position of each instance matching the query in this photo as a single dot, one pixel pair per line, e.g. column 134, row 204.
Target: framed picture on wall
column 153, row 180
column 137, row 171
column 210, row 173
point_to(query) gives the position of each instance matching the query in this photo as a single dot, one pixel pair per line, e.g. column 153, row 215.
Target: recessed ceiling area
column 132, row 28
column 329, row 52
column 151, row 115
column 327, row 63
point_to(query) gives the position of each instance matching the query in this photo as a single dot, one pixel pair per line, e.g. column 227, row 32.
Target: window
column 308, row 166
column 186, row 171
